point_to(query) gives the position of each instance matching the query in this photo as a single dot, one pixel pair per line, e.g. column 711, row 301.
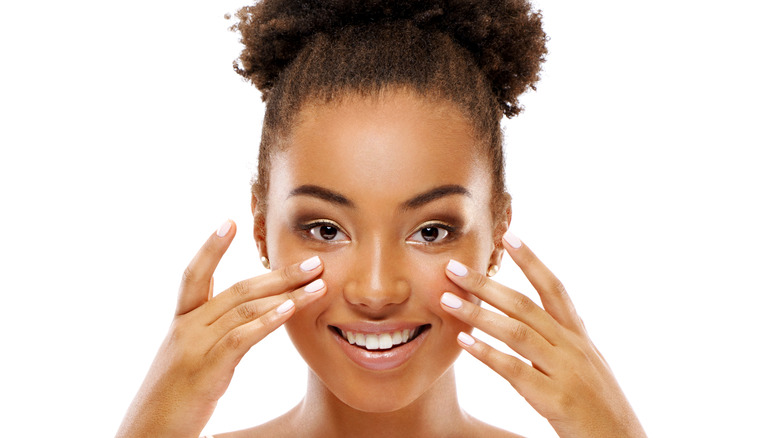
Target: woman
column 381, row 209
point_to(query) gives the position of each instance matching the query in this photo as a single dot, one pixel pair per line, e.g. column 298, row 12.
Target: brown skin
column 379, row 153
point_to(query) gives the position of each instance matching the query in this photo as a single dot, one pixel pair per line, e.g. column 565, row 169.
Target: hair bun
column 505, row 37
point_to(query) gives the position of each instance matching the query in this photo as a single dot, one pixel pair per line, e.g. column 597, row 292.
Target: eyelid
column 452, row 232
column 306, row 227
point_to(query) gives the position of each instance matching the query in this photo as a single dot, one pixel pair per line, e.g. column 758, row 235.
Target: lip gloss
column 381, row 360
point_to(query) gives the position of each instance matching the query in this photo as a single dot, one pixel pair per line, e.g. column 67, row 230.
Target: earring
column 264, row 261
column 493, row 270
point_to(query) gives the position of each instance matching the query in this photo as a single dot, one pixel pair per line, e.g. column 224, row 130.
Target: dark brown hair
column 480, row 55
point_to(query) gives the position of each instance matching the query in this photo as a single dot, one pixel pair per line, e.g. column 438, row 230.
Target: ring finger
column 517, row 335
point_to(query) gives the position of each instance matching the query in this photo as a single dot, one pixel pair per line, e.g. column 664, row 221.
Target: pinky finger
column 229, row 350
column 527, row 380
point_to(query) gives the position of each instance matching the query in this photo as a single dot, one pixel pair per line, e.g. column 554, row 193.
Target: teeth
column 372, row 342
column 385, row 341
column 379, row 341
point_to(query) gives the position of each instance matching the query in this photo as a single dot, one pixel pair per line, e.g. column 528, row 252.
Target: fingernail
column 450, row 300
column 309, row 264
column 513, row 240
column 285, row 306
column 466, row 339
column 223, row 230
column 314, row 286
column 457, row 268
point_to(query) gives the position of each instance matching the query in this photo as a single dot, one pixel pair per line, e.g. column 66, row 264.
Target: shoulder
column 278, row 427
column 479, row 428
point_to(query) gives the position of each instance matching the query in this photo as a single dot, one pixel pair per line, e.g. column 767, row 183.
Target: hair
column 479, row 55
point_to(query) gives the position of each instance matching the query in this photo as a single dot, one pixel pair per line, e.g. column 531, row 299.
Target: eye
column 325, row 231
column 431, row 233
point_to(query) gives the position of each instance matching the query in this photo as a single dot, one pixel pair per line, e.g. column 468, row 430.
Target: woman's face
column 386, row 191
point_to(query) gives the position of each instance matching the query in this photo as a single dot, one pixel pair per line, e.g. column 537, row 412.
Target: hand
column 209, row 336
column 569, row 382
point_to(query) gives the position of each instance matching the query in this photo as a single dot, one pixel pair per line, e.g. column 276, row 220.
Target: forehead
column 384, row 148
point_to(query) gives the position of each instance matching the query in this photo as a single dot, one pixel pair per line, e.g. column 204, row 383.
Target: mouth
column 380, row 341
column 380, row 350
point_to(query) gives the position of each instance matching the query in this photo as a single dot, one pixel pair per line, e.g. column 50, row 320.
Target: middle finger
column 251, row 310
column 512, row 303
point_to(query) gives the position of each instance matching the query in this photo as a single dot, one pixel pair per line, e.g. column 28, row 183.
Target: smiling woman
column 381, row 210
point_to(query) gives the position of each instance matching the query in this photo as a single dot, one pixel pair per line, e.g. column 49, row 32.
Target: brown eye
column 328, row 232
column 325, row 231
column 429, row 234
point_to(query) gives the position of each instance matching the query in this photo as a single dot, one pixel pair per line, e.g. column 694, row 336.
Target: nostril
column 377, row 298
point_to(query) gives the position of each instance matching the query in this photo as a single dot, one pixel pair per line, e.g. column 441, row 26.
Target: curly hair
column 480, row 55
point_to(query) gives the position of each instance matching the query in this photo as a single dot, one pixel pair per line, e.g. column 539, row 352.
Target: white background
column 644, row 173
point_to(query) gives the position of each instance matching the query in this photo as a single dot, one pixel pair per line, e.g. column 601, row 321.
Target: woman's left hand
column 569, row 382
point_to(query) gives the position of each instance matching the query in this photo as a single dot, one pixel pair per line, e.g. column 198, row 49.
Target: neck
column 435, row 413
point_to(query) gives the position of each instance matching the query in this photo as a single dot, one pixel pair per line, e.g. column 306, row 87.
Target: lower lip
column 380, row 360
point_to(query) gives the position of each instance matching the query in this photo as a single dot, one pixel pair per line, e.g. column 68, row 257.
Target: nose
column 377, row 279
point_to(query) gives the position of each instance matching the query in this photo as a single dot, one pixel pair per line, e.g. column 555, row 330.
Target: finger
column 229, row 350
column 282, row 280
column 211, row 288
column 526, row 380
column 554, row 297
column 251, row 310
column 512, row 303
column 515, row 334
column 194, row 289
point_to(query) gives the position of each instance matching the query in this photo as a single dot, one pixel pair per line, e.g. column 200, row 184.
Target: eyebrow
column 413, row 203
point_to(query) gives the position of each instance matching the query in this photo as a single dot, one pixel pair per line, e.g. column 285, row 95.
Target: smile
column 380, row 341
column 377, row 348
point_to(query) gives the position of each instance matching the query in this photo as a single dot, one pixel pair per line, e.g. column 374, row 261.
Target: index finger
column 196, row 280
column 555, row 299
column 275, row 282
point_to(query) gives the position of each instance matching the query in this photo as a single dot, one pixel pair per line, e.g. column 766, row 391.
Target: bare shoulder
column 278, row 427
column 481, row 429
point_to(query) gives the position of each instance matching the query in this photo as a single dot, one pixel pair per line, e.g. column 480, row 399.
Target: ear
column 259, row 228
column 501, row 227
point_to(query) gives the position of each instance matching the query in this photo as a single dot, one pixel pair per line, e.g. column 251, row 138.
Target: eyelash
column 307, row 228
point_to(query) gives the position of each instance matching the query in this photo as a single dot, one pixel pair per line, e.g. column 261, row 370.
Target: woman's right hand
column 209, row 336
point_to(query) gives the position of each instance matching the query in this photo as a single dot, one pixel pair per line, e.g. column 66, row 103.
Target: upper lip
column 377, row 327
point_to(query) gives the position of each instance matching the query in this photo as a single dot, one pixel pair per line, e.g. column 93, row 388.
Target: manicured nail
column 513, row 240
column 314, row 286
column 309, row 264
column 223, row 230
column 450, row 300
column 457, row 268
column 285, row 306
column 466, row 339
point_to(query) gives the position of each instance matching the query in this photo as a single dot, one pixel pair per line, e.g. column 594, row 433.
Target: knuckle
column 240, row 289
column 521, row 303
column 559, row 288
column 563, row 401
column 479, row 282
column 247, row 311
column 519, row 332
column 289, row 273
column 517, row 369
column 189, row 275
column 233, row 340
column 475, row 313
